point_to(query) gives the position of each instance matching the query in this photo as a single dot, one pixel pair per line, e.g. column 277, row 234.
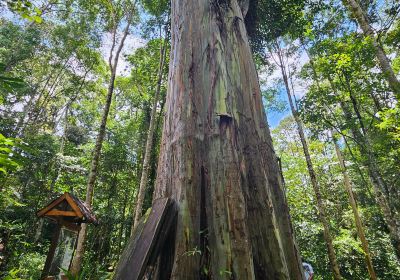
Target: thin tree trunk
column 314, row 182
column 61, row 152
column 380, row 187
column 347, row 184
column 80, row 248
column 359, row 224
column 216, row 158
column 36, row 109
column 149, row 141
column 62, row 147
column 119, row 240
column 20, row 127
column 383, row 60
column 378, row 184
column 377, row 181
column 356, row 133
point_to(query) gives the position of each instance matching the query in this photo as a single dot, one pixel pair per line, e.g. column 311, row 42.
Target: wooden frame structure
column 66, row 211
column 69, row 209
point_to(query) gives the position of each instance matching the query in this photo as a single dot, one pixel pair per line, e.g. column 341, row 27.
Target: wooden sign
column 147, row 240
column 67, row 211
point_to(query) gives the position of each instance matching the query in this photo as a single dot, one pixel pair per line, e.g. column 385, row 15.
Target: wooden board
column 146, row 241
column 55, row 212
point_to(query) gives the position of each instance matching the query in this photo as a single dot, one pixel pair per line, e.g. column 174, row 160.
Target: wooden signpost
column 67, row 211
column 147, row 240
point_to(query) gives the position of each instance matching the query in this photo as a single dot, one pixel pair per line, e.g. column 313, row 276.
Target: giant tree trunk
column 359, row 224
column 216, row 157
column 314, row 182
column 113, row 62
column 383, row 60
column 149, row 141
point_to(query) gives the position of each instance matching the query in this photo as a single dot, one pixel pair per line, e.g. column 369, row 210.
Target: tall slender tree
column 314, row 181
column 150, row 135
column 357, row 218
column 361, row 137
column 113, row 59
column 378, row 182
column 348, row 187
column 384, row 62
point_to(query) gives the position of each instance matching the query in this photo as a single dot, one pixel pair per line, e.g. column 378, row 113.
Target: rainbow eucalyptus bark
column 216, row 160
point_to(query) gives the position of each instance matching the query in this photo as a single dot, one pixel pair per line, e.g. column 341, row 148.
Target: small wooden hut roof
column 68, row 208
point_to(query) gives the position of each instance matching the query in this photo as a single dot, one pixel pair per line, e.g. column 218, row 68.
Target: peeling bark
column 216, row 157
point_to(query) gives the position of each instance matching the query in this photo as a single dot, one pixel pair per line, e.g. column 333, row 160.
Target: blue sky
column 275, row 117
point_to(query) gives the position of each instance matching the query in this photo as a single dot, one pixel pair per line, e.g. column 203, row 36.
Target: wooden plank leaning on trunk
column 147, row 240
